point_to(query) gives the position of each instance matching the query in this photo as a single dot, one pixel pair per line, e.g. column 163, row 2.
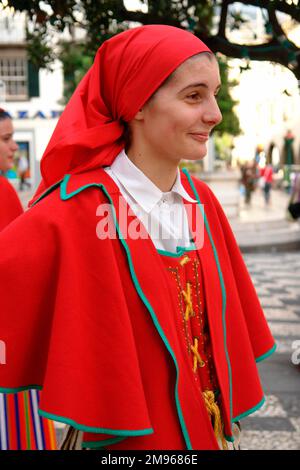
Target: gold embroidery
column 214, row 411
column 175, row 272
column 197, row 358
column 187, row 295
column 184, row 260
column 191, row 305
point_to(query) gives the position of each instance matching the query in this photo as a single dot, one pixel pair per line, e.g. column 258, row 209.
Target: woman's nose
column 14, row 146
column 213, row 115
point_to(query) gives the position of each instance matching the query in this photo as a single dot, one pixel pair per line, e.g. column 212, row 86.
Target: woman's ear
column 139, row 115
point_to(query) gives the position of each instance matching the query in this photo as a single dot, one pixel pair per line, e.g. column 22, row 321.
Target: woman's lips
column 200, row 137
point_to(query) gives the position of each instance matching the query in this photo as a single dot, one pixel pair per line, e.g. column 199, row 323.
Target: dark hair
column 127, row 130
column 126, row 135
column 4, row 114
column 207, row 54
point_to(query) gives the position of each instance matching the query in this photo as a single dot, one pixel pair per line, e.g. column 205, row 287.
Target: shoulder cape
column 76, row 310
column 10, row 206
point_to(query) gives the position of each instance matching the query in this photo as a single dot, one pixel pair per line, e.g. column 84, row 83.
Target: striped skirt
column 21, row 427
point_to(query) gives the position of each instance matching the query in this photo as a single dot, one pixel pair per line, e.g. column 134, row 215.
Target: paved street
column 277, row 424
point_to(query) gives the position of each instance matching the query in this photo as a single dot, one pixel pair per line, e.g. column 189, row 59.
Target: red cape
column 95, row 328
column 10, row 205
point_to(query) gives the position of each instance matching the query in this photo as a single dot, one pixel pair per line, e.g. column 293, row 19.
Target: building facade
column 268, row 96
column 32, row 97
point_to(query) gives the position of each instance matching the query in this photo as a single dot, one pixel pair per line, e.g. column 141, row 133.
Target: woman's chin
column 10, row 164
column 196, row 156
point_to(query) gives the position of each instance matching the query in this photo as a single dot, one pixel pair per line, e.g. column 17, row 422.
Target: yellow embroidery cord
column 185, row 260
column 214, row 411
column 197, row 358
column 188, row 300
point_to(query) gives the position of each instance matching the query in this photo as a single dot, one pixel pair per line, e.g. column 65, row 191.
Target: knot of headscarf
column 127, row 70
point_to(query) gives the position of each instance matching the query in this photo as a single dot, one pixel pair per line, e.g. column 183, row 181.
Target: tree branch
column 279, row 5
column 223, row 19
column 271, row 51
column 277, row 29
column 148, row 18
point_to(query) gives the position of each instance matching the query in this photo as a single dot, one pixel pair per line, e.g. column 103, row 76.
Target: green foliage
column 224, row 145
column 230, row 122
column 40, row 53
column 76, row 63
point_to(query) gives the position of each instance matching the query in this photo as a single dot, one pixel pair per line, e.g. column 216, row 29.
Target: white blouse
column 162, row 214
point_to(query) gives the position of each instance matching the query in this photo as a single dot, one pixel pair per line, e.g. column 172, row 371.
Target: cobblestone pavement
column 277, row 424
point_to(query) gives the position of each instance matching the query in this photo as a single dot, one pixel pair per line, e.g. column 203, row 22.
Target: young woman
column 139, row 322
column 10, row 205
column 20, row 425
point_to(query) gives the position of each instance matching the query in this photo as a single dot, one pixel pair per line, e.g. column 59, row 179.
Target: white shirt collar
column 140, row 187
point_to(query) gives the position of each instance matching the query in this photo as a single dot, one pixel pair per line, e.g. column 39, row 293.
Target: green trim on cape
column 101, row 444
column 48, row 191
column 20, row 389
column 82, row 427
column 267, row 354
column 180, row 251
column 250, row 411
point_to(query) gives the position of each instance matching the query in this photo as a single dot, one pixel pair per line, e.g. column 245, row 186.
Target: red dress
column 186, row 279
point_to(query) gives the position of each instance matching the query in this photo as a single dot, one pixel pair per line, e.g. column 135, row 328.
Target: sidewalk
column 25, row 197
column 276, row 426
column 259, row 212
column 266, row 228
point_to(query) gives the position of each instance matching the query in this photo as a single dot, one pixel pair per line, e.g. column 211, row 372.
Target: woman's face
column 176, row 122
column 7, row 145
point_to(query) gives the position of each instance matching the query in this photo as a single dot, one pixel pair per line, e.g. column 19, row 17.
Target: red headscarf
column 127, row 70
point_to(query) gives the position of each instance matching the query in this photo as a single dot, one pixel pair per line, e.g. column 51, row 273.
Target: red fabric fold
column 10, row 205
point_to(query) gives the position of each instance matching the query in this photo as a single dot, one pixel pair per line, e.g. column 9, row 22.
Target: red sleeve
column 10, row 205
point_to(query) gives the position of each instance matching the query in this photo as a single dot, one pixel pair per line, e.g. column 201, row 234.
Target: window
column 14, row 74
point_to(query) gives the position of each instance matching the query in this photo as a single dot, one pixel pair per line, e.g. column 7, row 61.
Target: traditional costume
column 21, row 427
column 10, row 205
column 134, row 347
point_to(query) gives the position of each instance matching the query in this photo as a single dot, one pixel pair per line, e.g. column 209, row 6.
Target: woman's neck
column 161, row 172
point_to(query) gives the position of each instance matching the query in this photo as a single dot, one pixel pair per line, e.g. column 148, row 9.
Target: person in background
column 295, row 194
column 22, row 170
column 248, row 179
column 267, row 180
column 20, row 425
column 294, row 202
column 10, row 205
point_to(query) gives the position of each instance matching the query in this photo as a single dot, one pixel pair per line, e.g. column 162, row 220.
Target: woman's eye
column 194, row 96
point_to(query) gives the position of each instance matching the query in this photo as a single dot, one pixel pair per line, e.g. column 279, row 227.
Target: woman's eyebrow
column 5, row 135
column 203, row 85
